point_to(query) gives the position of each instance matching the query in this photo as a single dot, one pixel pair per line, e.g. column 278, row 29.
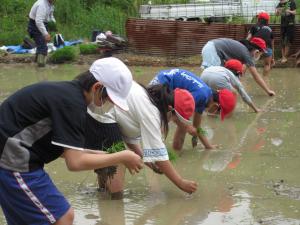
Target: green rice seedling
column 172, row 155
column 64, row 54
column 200, row 130
column 86, row 49
column 107, row 173
column 117, row 147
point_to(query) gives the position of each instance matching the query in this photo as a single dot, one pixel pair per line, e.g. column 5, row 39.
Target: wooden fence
column 186, row 38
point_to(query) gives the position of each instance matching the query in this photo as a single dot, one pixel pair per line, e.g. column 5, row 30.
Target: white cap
column 116, row 77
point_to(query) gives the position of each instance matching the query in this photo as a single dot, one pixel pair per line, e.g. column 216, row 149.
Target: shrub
column 86, row 49
column 62, row 55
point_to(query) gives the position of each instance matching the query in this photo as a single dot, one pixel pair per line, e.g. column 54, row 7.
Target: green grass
column 77, row 19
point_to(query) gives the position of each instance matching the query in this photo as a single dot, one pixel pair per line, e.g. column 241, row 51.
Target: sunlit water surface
column 253, row 178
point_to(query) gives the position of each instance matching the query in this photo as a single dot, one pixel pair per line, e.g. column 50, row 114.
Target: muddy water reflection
column 252, row 179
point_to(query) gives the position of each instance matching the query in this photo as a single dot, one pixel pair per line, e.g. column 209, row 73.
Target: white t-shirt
column 141, row 123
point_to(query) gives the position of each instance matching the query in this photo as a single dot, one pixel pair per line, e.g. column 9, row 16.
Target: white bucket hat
column 116, row 77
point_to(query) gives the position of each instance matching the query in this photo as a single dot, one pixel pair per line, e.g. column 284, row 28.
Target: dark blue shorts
column 269, row 52
column 30, row 198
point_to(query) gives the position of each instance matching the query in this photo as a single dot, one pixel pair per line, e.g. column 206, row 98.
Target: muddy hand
column 132, row 161
column 188, row 186
column 257, row 110
column 154, row 167
column 47, row 38
column 271, row 93
column 218, row 146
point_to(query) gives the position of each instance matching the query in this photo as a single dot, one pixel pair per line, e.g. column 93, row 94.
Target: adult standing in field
column 287, row 10
column 227, row 77
column 205, row 98
column 263, row 31
column 47, row 120
column 146, row 121
column 217, row 51
column 40, row 14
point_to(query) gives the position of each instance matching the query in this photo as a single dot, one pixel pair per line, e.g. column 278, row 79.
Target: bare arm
column 260, row 81
column 80, row 160
column 185, row 185
column 235, row 82
column 278, row 11
column 136, row 148
column 249, row 36
column 251, row 104
column 293, row 12
column 203, row 139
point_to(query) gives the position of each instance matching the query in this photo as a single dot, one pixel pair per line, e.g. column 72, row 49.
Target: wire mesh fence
column 236, row 11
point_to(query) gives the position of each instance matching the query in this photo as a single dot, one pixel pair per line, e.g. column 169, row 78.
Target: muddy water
column 252, row 179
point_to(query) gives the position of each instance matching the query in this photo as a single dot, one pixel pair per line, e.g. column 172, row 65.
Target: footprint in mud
column 91, row 216
column 282, row 189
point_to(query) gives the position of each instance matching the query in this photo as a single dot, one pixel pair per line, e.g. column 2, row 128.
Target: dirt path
column 129, row 58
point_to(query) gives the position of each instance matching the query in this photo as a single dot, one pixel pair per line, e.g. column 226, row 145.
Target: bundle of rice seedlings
column 64, row 54
column 172, row 155
column 86, row 49
column 107, row 173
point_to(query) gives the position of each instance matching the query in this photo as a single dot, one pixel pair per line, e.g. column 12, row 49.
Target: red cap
column 234, row 64
column 259, row 43
column 227, row 102
column 184, row 105
column 263, row 15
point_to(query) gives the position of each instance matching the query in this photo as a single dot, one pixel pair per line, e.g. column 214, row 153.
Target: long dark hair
column 250, row 46
column 162, row 97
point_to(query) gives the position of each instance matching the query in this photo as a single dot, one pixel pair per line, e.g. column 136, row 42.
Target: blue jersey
column 184, row 79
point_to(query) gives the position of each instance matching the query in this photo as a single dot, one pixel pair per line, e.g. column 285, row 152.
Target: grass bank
column 76, row 19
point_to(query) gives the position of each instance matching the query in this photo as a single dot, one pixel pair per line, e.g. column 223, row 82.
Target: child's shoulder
column 267, row 28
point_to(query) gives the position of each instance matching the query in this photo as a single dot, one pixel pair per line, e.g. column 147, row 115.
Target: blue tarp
column 18, row 49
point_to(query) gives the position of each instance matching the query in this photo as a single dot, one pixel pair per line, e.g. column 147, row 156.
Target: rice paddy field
column 252, row 179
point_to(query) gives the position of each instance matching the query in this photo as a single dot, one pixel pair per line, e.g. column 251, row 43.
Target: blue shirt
column 184, row 79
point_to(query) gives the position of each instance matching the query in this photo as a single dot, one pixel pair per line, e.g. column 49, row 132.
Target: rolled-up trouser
column 37, row 36
column 210, row 56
